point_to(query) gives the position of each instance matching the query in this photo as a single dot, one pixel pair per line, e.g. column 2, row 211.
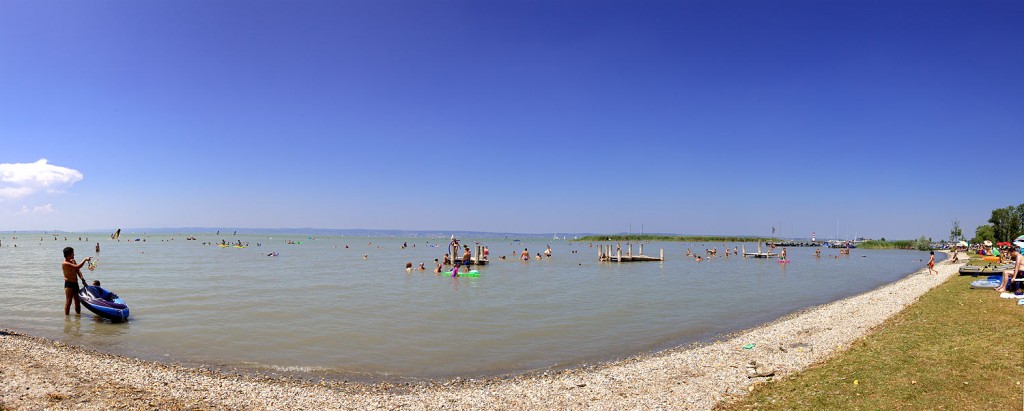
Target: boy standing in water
column 72, row 272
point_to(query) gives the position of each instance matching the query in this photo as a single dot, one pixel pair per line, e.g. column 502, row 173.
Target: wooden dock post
column 630, row 252
column 662, row 254
column 619, row 252
column 641, row 248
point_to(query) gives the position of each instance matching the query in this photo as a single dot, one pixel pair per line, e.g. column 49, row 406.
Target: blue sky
column 714, row 117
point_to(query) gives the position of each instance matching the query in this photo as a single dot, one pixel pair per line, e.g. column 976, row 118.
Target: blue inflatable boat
column 104, row 303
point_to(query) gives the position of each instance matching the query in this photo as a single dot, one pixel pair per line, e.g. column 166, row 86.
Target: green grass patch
column 680, row 238
column 888, row 245
column 955, row 349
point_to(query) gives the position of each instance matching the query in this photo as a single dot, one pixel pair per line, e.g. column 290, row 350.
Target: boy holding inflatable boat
column 72, row 272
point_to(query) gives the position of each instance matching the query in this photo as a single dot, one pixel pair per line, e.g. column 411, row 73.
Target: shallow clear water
column 323, row 309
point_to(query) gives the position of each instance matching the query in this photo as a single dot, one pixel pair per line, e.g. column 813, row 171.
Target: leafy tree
column 984, row 232
column 922, row 244
column 956, row 233
column 1007, row 223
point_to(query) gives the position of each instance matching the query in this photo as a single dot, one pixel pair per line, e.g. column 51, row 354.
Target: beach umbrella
column 962, row 244
column 987, row 243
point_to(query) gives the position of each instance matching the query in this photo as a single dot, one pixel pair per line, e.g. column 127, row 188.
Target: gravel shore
column 42, row 374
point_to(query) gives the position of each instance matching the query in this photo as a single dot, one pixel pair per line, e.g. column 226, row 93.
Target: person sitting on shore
column 1014, row 273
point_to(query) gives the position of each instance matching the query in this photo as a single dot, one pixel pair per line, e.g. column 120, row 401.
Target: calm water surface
column 319, row 308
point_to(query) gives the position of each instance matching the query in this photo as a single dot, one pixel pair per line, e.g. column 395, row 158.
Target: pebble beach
column 42, row 374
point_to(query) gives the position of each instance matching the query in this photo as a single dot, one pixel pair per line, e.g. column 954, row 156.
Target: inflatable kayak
column 104, row 303
column 470, row 273
column 993, row 281
column 970, row 270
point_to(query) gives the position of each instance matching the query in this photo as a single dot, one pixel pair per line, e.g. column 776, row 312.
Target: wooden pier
column 455, row 251
column 604, row 253
column 758, row 254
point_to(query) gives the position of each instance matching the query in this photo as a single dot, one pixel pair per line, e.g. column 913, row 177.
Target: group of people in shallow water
column 458, row 265
column 710, row 253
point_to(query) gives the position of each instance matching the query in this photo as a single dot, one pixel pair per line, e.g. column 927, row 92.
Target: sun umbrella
column 962, row 244
column 987, row 243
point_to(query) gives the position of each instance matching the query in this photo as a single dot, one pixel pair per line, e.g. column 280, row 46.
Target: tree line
column 1006, row 224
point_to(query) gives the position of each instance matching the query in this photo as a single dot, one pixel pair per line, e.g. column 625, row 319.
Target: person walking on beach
column 931, row 264
column 72, row 272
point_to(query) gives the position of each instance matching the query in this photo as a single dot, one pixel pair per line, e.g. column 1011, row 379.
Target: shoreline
column 39, row 373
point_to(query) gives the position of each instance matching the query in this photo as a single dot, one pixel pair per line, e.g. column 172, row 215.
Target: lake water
column 321, row 309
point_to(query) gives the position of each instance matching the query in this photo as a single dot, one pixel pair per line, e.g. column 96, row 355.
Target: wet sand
column 42, row 374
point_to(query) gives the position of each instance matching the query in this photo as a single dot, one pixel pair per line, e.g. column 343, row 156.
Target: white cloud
column 19, row 180
column 43, row 209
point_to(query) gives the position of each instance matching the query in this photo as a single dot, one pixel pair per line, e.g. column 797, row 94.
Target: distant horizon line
column 361, row 231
